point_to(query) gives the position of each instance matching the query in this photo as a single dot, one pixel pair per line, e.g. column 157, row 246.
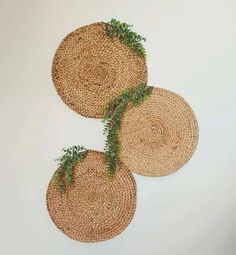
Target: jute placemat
column 159, row 136
column 95, row 208
column 89, row 69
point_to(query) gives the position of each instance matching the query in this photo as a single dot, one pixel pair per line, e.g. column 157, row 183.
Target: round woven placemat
column 95, row 208
column 159, row 136
column 89, row 69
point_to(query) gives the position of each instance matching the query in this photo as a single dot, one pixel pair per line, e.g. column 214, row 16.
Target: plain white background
column 191, row 48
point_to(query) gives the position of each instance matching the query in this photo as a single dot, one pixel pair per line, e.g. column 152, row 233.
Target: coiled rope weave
column 89, row 69
column 159, row 136
column 95, row 208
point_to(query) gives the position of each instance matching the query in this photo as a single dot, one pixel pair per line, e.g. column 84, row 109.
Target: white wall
column 191, row 50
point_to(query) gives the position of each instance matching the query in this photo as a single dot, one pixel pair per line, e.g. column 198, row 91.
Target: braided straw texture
column 159, row 136
column 95, row 208
column 89, row 69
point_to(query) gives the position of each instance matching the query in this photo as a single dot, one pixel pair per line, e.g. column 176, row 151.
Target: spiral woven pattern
column 95, row 208
column 159, row 136
column 89, row 69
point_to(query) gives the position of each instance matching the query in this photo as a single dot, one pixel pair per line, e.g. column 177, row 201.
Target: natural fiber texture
column 159, row 136
column 89, row 69
column 95, row 208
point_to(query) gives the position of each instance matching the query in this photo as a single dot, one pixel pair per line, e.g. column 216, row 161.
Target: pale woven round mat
column 95, row 208
column 89, row 69
column 159, row 136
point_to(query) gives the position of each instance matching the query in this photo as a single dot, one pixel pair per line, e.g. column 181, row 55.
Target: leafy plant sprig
column 113, row 117
column 67, row 162
column 124, row 33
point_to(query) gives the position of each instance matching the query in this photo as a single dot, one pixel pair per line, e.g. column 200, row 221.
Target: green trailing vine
column 128, row 37
column 67, row 162
column 113, row 117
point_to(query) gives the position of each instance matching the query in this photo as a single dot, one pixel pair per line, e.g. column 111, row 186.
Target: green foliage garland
column 124, row 33
column 67, row 162
column 113, row 117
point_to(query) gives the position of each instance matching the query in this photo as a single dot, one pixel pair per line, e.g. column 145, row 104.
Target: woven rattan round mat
column 159, row 136
column 95, row 208
column 89, row 69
